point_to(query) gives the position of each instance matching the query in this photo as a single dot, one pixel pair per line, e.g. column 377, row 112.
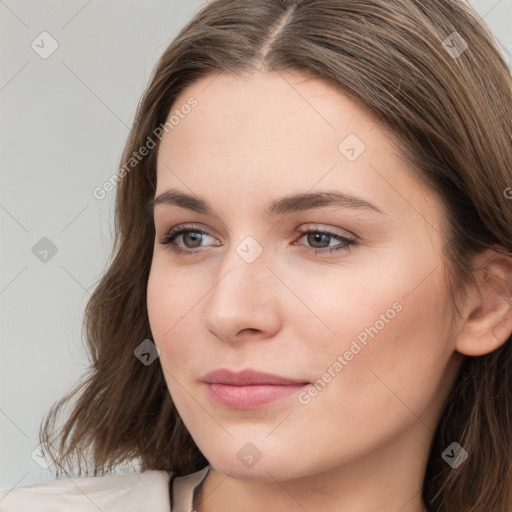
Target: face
column 343, row 295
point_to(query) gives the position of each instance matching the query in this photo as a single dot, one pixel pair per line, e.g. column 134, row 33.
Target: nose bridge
column 243, row 274
column 243, row 295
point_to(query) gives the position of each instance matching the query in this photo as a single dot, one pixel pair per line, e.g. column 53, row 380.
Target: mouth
column 249, row 389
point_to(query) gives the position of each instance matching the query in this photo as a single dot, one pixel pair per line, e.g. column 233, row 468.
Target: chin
column 267, row 468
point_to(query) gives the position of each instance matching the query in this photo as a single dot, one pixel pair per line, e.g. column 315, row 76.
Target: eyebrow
column 283, row 205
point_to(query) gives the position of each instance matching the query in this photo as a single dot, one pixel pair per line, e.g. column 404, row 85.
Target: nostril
column 249, row 329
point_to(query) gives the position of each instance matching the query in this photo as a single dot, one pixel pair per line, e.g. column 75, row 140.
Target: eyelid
column 299, row 231
column 181, row 229
column 330, row 230
column 345, row 243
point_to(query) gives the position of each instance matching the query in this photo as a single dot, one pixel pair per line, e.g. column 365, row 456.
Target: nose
column 244, row 301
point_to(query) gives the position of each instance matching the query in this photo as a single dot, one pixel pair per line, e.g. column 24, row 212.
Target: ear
column 488, row 315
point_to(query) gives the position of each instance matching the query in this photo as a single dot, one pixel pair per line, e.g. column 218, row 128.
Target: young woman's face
column 344, row 295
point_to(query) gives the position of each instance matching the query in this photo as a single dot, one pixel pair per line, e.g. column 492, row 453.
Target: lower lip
column 249, row 397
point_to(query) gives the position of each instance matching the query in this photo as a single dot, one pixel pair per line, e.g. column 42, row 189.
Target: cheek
column 167, row 303
column 390, row 352
column 411, row 344
column 385, row 383
column 158, row 296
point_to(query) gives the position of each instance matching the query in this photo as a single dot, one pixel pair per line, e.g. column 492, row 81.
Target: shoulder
column 108, row 493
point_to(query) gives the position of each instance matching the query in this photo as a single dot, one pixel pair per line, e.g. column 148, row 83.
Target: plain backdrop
column 64, row 121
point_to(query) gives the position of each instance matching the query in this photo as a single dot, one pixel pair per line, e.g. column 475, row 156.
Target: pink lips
column 249, row 388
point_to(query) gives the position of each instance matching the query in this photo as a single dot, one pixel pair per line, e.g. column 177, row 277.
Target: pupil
column 196, row 237
column 317, row 237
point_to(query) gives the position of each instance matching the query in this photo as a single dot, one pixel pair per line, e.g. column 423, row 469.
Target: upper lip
column 248, row 377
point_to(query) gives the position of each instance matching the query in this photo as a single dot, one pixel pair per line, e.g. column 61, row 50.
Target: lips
column 249, row 378
column 249, row 388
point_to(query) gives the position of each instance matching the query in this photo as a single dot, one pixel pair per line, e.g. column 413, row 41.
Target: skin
column 360, row 444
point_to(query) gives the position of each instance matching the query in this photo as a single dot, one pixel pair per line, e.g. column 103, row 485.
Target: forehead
column 277, row 123
column 273, row 133
column 237, row 116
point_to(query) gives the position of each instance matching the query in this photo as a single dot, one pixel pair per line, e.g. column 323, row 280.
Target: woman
column 309, row 305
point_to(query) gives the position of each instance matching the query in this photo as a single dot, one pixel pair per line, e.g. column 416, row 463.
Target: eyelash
column 169, row 238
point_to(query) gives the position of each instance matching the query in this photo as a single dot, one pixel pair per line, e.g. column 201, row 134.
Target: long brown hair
column 430, row 73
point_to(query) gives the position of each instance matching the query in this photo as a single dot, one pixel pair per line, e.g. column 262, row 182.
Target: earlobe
column 488, row 321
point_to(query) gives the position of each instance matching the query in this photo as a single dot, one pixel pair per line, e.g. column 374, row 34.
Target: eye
column 321, row 241
column 192, row 237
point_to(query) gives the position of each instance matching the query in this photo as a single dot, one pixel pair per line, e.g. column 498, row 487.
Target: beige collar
column 185, row 489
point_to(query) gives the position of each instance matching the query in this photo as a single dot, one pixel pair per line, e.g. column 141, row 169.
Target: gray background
column 64, row 121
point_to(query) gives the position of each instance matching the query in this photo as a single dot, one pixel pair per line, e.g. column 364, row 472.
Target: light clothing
column 149, row 491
